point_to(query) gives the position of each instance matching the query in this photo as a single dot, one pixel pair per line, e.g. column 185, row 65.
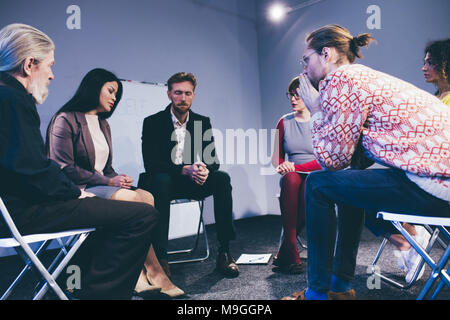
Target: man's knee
column 221, row 180
column 317, row 179
column 145, row 214
column 222, row 177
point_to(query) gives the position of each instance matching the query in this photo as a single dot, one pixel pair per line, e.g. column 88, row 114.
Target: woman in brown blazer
column 79, row 140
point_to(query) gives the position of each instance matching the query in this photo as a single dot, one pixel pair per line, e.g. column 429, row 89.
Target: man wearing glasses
column 356, row 112
column 181, row 162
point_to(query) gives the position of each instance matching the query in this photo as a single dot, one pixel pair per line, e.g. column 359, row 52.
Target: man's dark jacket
column 27, row 176
column 158, row 144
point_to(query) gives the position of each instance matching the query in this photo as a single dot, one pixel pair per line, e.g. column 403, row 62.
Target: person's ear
column 27, row 66
column 326, row 53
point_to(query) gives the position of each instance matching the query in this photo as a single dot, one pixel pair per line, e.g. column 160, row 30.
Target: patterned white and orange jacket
column 400, row 126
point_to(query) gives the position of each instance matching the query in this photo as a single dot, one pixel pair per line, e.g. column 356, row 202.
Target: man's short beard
column 39, row 93
column 178, row 109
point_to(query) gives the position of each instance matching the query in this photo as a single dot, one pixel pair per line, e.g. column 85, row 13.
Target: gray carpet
column 256, row 282
column 260, row 282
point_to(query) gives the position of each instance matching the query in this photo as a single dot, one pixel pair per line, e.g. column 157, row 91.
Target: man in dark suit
column 181, row 162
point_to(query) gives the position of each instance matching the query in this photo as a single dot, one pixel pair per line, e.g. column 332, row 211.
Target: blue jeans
column 354, row 191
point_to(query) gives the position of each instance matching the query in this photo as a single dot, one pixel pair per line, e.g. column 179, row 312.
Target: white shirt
column 100, row 144
column 180, row 134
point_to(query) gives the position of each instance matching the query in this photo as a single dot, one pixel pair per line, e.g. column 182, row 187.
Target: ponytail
column 335, row 36
column 363, row 40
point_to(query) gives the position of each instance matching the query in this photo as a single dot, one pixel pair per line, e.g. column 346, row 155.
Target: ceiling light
column 277, row 12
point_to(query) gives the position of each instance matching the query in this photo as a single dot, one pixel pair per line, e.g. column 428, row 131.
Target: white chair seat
column 11, row 242
column 434, row 221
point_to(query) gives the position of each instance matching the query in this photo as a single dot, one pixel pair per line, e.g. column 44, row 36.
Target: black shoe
column 291, row 268
column 226, row 265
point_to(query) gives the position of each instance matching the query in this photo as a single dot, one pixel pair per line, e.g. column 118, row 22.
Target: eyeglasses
column 305, row 59
column 291, row 95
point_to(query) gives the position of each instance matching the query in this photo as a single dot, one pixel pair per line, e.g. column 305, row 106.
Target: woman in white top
column 79, row 140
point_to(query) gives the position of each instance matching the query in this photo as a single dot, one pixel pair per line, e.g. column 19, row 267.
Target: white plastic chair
column 70, row 241
column 438, row 274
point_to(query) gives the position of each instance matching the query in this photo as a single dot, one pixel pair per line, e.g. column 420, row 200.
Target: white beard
column 38, row 92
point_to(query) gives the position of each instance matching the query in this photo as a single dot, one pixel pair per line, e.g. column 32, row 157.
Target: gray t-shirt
column 297, row 141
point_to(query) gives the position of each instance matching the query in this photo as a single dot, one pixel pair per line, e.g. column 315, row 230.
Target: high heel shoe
column 144, row 286
column 173, row 293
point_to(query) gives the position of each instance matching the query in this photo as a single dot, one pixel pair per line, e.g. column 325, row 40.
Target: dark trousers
column 165, row 188
column 112, row 257
column 354, row 192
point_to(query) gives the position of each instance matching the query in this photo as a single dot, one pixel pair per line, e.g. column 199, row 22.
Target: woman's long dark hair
column 440, row 57
column 87, row 96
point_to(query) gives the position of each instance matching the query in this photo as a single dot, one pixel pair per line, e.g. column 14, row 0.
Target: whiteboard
column 139, row 100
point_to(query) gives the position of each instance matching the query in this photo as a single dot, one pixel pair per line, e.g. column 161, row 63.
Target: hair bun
column 363, row 40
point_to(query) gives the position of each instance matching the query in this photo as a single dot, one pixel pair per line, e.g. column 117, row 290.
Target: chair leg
column 438, row 289
column 203, row 258
column 201, row 226
column 300, row 241
column 27, row 252
column 62, row 265
column 436, row 273
column 26, row 269
column 47, row 274
column 63, row 250
column 375, row 269
column 439, row 240
column 380, row 251
column 425, row 251
column 281, row 239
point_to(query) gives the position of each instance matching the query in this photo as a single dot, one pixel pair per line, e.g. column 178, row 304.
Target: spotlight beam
column 278, row 11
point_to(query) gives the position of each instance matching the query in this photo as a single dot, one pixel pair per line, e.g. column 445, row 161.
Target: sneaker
column 409, row 260
column 422, row 237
